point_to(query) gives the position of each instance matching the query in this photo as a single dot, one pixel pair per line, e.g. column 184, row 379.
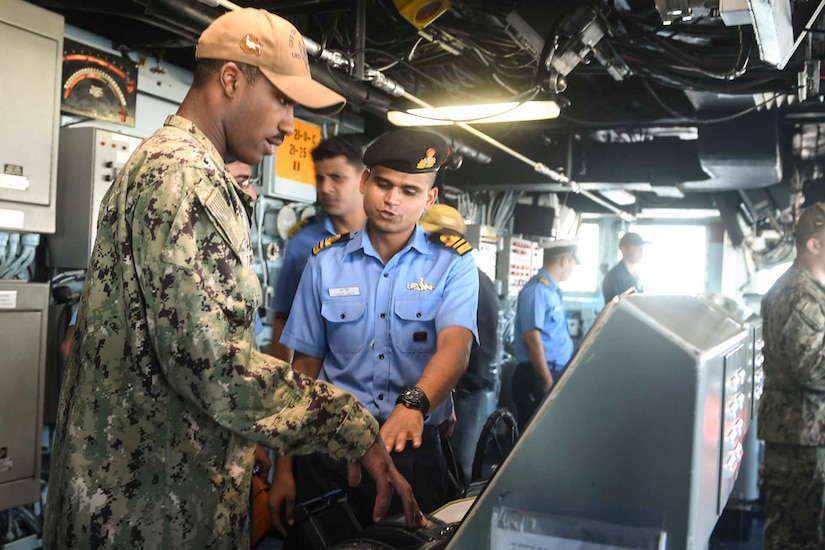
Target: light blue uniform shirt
column 540, row 306
column 298, row 249
column 374, row 325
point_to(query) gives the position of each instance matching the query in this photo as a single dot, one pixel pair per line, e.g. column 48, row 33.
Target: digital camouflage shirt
column 792, row 407
column 165, row 394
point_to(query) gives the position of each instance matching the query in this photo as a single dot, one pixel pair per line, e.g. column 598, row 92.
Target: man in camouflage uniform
column 792, row 408
column 165, row 394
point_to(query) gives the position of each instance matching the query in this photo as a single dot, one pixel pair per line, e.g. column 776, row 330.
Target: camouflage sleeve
column 201, row 299
column 802, row 337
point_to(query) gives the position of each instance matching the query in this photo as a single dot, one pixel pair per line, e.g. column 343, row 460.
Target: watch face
column 414, row 398
column 413, row 394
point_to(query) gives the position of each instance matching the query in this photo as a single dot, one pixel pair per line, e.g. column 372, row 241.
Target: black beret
column 409, row 151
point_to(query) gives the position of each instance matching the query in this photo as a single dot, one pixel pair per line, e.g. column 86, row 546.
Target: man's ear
column 432, row 194
column 230, row 78
column 365, row 175
column 814, row 246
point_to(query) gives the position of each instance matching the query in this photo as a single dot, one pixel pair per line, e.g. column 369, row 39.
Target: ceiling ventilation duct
column 663, row 161
column 740, row 154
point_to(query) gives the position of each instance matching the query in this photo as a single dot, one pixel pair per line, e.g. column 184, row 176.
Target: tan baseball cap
column 441, row 217
column 271, row 43
column 812, row 221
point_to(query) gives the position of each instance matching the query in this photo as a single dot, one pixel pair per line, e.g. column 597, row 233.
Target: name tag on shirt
column 345, row 291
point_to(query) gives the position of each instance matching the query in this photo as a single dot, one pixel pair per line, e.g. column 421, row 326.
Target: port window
column 675, row 261
column 585, row 277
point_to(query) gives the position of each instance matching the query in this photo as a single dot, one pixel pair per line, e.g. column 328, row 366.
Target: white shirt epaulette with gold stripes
column 340, row 238
column 459, row 244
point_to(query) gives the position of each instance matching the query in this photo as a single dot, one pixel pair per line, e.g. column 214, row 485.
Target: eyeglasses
column 248, row 182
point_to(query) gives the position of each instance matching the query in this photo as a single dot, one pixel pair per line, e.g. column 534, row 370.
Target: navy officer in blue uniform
column 543, row 344
column 388, row 313
column 338, row 169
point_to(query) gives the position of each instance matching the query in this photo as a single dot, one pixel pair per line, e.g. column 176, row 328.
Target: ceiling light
column 679, row 213
column 619, row 196
column 476, row 114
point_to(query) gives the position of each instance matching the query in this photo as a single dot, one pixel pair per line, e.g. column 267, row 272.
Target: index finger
column 412, row 514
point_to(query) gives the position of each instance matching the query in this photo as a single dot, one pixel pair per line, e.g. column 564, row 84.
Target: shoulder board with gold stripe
column 544, row 281
column 340, row 238
column 297, row 226
column 459, row 244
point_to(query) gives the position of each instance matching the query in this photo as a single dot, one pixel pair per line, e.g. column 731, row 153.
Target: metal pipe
column 360, row 37
column 191, row 16
column 225, row 3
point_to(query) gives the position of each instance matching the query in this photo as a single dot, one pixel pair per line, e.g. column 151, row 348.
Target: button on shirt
column 540, row 305
column 298, row 249
column 374, row 325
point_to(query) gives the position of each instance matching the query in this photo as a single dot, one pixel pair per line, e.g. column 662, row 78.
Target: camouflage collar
column 177, row 121
column 805, row 272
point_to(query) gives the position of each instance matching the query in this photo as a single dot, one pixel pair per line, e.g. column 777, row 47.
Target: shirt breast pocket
column 415, row 331
column 346, row 325
column 559, row 316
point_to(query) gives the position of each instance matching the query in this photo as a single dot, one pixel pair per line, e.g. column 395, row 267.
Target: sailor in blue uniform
column 389, row 314
column 338, row 169
column 542, row 339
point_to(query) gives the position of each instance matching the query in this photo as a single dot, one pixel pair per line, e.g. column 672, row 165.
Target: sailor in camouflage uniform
column 165, row 394
column 792, row 407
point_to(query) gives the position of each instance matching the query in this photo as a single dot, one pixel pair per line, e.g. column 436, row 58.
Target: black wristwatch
column 414, row 398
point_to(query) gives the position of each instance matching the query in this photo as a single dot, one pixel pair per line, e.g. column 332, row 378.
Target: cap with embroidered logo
column 409, row 151
column 442, row 217
column 271, row 43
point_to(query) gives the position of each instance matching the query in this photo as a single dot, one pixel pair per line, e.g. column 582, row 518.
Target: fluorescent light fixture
column 679, row 213
column 476, row 114
column 619, row 196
